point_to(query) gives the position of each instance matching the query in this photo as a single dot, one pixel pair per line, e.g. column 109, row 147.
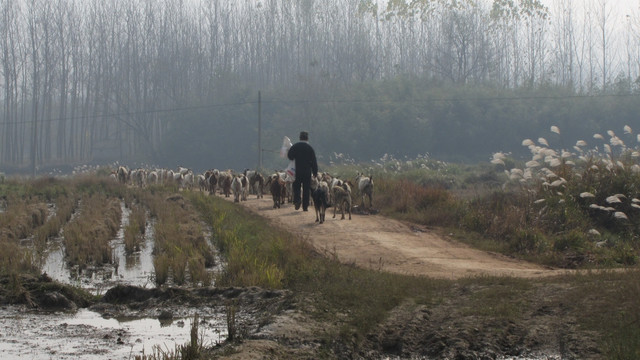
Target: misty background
column 174, row 82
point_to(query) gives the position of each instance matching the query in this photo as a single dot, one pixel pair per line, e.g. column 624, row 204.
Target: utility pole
column 259, row 132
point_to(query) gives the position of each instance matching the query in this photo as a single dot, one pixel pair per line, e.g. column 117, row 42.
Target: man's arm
column 291, row 154
column 314, row 163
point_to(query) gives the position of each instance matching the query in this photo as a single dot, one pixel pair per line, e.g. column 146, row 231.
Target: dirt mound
column 41, row 293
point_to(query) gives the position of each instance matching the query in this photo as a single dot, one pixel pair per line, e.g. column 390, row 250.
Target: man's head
column 304, row 136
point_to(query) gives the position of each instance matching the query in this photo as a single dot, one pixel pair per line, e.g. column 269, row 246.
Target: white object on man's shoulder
column 286, row 144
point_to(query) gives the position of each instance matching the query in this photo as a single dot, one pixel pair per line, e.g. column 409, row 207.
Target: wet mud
column 46, row 319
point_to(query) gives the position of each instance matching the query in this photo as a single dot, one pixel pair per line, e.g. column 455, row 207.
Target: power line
column 321, row 101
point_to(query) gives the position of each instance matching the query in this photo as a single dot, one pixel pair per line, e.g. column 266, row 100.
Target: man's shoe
column 305, row 209
column 297, row 206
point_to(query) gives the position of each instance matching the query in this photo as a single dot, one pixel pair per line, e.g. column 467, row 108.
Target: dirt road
column 374, row 241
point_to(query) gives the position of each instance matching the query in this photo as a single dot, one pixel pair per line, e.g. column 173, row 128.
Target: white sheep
column 365, row 186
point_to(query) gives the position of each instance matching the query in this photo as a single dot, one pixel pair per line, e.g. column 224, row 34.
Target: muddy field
column 123, row 312
column 52, row 322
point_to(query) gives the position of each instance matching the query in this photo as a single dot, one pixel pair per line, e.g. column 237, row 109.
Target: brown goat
column 342, row 199
column 278, row 189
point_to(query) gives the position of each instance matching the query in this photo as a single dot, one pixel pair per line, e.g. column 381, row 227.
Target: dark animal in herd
column 321, row 200
column 278, row 188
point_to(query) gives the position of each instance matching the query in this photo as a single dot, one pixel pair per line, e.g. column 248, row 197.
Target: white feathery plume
column 555, row 162
column 566, row 154
column 635, row 206
column 554, row 129
column 558, row 182
column 543, row 141
column 498, row 158
column 635, row 201
column 598, row 136
column 620, row 164
column 616, row 141
column 581, row 143
column 594, row 232
column 539, row 201
column 638, row 137
column 532, row 164
column 620, row 215
column 611, row 133
column 595, row 206
column 635, row 154
column 610, row 166
column 586, row 194
column 570, row 162
column 607, row 148
column 527, row 142
column 595, row 167
column 635, row 168
column 608, row 208
column 613, row 199
column 499, row 155
column 549, row 173
column 627, row 129
column 537, row 157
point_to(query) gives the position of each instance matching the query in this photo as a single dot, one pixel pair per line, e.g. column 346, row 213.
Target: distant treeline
column 177, row 81
column 410, row 117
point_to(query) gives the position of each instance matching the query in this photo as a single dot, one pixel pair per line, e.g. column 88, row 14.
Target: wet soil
column 44, row 318
column 272, row 324
column 546, row 328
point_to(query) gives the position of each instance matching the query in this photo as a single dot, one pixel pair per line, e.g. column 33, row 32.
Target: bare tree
column 604, row 27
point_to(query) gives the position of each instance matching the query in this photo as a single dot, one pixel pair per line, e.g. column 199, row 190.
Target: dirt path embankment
column 382, row 243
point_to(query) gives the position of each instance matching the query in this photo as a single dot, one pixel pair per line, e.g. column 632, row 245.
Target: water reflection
column 134, row 269
column 87, row 335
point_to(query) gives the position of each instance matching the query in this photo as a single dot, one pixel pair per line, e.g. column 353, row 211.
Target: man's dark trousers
column 305, row 181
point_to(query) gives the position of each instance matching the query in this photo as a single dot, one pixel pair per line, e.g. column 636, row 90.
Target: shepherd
column 306, row 165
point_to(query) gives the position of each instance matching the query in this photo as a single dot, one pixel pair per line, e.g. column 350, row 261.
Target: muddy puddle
column 135, row 269
column 86, row 334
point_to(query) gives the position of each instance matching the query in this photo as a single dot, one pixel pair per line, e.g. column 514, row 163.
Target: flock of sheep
column 326, row 190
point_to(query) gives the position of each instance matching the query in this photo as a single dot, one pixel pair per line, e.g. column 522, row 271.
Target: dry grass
column 179, row 236
column 65, row 207
column 87, row 238
column 423, row 204
column 21, row 218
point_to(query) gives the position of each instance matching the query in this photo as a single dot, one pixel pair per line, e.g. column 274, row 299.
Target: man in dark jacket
column 306, row 165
